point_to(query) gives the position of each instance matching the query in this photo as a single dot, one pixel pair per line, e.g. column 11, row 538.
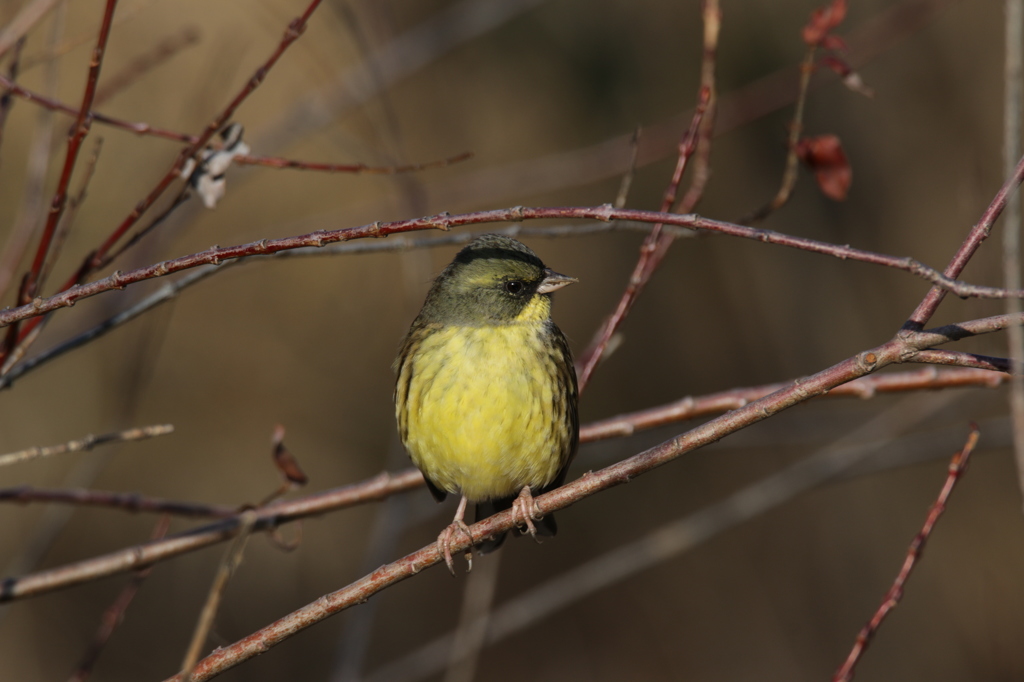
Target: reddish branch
column 656, row 244
column 977, row 235
column 796, row 127
column 81, row 128
column 690, row 407
column 114, row 614
column 294, row 30
column 445, row 221
column 54, row 105
column 956, row 469
column 652, row 251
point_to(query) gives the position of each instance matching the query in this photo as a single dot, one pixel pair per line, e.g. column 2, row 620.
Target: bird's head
column 493, row 280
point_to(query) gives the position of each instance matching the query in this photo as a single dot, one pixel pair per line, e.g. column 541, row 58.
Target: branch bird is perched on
column 486, row 395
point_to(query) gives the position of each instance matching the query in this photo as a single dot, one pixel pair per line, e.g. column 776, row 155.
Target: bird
column 486, row 397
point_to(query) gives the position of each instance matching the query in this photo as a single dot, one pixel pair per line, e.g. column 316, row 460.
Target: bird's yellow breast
column 476, row 405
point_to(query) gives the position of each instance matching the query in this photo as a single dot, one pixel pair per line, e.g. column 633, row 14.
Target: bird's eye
column 514, row 287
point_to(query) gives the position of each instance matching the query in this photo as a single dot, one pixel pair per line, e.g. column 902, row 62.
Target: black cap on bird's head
column 492, row 280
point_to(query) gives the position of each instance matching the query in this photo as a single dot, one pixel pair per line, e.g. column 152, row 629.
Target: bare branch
column 114, row 614
column 232, row 558
column 132, row 502
column 87, row 443
column 956, row 469
column 651, row 251
column 444, row 221
column 977, row 235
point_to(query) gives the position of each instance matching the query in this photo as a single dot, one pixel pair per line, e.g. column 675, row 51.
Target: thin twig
column 796, row 126
column 114, row 614
column 358, row 168
column 377, row 488
column 52, row 104
column 444, row 221
column 294, row 30
column 956, row 469
column 6, row 100
column 132, row 502
column 978, row 234
column 692, row 407
column 711, row 14
column 627, row 178
column 652, row 251
column 63, row 229
column 292, row 33
column 81, row 127
column 75, row 203
column 31, row 206
column 87, row 443
column 228, row 564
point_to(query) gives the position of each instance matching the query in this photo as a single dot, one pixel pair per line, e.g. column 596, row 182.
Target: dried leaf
column 825, row 156
column 285, row 460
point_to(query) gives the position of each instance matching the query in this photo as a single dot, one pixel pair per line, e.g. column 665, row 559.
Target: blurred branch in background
column 87, row 443
column 1013, row 86
column 114, row 615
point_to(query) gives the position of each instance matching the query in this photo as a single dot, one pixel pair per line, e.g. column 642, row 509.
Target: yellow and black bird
column 486, row 395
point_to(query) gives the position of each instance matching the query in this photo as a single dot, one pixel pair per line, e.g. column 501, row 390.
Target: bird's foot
column 444, row 541
column 525, row 511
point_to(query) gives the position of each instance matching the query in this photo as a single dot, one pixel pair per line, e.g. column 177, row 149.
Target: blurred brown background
column 308, row 342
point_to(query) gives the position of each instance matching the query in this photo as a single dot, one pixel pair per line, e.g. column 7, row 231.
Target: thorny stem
column 444, row 221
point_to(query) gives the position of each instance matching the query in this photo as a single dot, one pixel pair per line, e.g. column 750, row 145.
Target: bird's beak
column 554, row 281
